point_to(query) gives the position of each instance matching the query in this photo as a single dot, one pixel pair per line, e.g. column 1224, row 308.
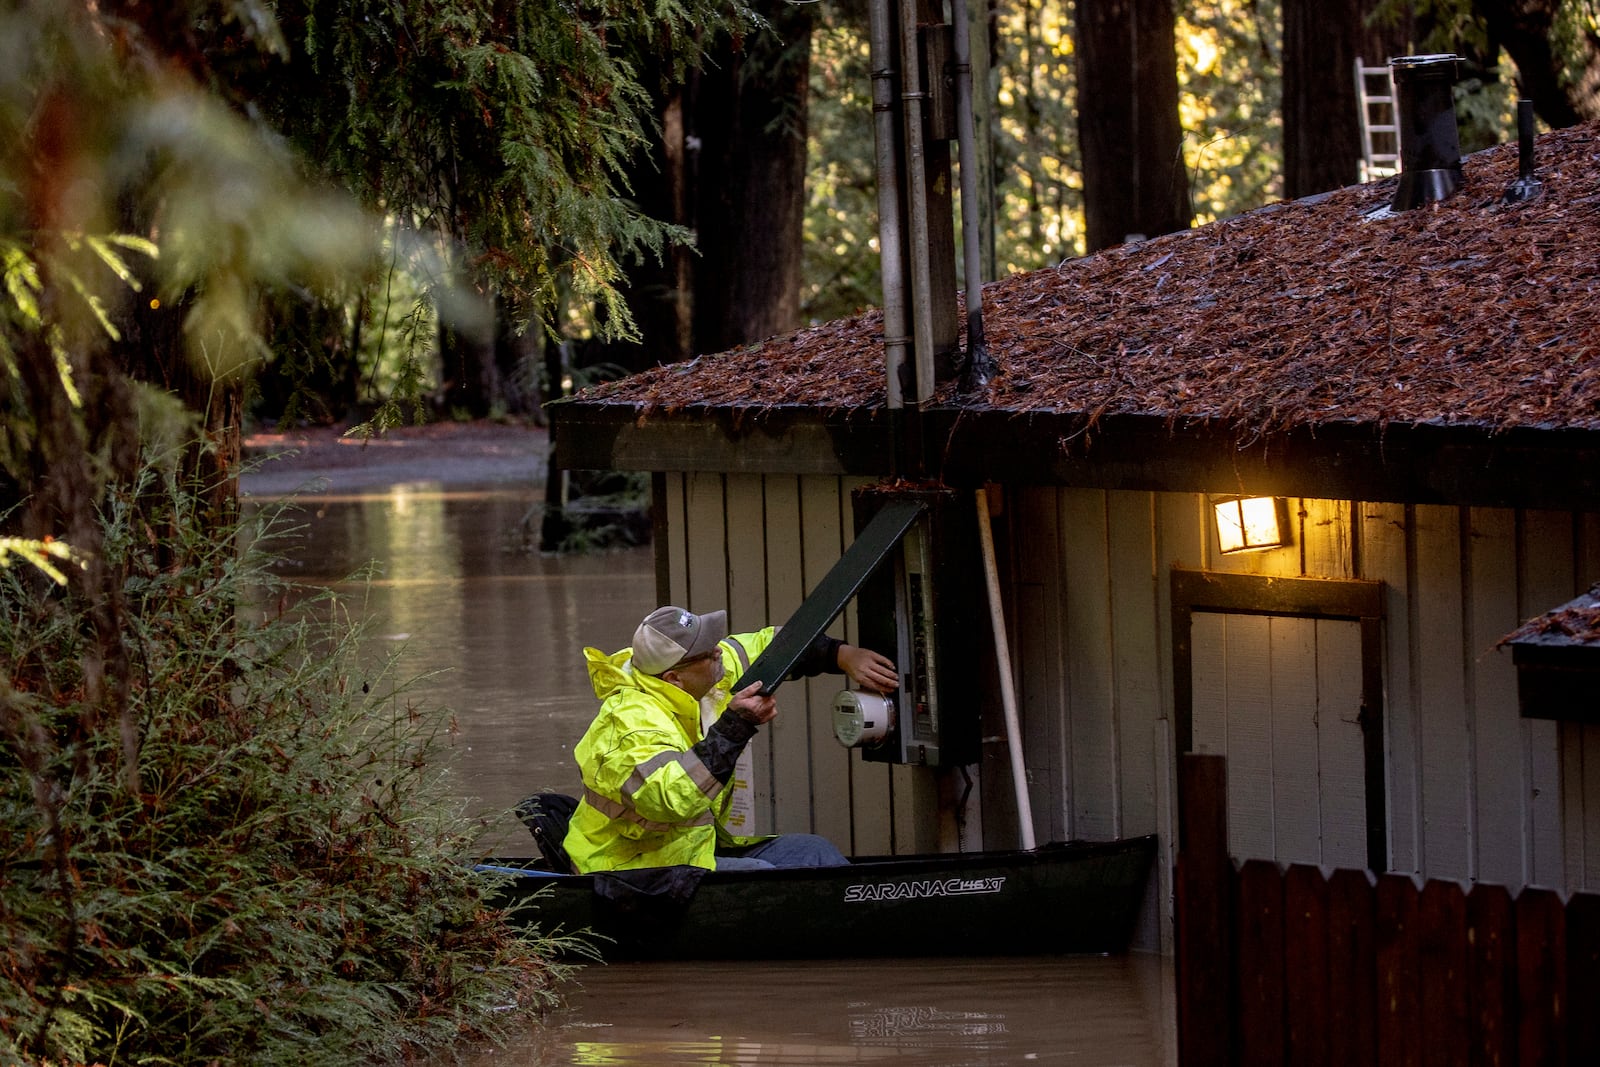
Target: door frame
column 1348, row 599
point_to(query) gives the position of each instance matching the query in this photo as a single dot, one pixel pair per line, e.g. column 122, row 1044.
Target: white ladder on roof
column 1380, row 131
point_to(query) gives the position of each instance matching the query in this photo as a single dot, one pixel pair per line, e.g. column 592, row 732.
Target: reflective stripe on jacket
column 648, row 800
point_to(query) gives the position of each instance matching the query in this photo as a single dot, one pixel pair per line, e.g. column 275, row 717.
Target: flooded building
column 1412, row 397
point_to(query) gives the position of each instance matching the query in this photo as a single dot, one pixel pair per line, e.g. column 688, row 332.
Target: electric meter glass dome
column 861, row 718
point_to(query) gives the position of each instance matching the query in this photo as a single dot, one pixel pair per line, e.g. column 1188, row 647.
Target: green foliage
column 287, row 885
column 504, row 127
column 1230, row 89
column 1039, row 183
column 841, row 268
column 1228, row 62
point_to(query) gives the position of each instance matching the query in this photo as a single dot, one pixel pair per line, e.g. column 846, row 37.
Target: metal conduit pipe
column 979, row 369
column 917, row 194
column 1008, row 689
column 890, row 253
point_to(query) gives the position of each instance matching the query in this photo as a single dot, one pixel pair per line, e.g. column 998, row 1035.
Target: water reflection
column 916, row 1013
column 497, row 633
column 491, row 631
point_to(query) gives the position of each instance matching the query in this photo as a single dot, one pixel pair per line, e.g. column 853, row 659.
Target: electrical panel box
column 926, row 607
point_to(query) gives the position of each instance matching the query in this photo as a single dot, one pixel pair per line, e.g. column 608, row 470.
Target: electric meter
column 861, row 718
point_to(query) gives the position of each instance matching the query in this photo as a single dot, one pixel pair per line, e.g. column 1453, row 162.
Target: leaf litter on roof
column 1324, row 310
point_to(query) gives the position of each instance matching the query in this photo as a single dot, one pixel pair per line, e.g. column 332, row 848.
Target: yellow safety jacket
column 648, row 800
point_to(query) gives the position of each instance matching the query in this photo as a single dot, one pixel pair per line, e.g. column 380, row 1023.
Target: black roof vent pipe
column 1526, row 187
column 1430, row 146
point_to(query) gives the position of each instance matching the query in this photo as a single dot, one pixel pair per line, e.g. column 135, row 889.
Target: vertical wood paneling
column 1342, row 780
column 822, row 542
column 1570, row 735
column 791, row 734
column 1588, row 745
column 1586, row 553
column 1501, row 797
column 1089, row 659
column 1166, row 777
column 1384, row 546
column 1546, row 580
column 1445, row 756
column 1208, row 645
column 1134, row 629
column 1585, row 739
column 1297, row 817
column 1041, row 669
column 1180, row 542
column 1325, row 538
column 1249, row 711
column 677, row 543
column 748, row 611
column 707, row 532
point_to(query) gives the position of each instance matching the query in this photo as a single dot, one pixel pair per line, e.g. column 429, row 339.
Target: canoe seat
column 546, row 816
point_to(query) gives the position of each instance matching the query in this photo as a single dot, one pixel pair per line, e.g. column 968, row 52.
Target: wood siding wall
column 1473, row 791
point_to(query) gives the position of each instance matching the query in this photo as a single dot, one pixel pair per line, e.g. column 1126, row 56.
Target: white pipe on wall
column 1008, row 693
column 967, row 148
column 917, row 197
column 885, row 139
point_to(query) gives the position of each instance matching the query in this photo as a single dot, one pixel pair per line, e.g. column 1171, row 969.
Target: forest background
column 220, row 839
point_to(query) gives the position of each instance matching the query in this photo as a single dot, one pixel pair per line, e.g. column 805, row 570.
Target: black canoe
column 1061, row 898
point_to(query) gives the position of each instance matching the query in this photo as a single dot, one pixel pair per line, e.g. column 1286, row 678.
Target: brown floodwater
column 495, row 633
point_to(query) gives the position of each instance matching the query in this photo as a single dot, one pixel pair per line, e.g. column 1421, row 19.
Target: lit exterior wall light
column 1245, row 524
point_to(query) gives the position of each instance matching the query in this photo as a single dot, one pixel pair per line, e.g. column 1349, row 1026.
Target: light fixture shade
column 1248, row 523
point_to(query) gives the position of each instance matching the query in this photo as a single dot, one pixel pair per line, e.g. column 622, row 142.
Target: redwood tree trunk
column 1523, row 28
column 1322, row 39
column 749, row 116
column 1134, row 178
column 658, row 291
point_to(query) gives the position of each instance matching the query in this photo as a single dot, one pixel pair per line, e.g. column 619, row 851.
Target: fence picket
column 1352, row 968
column 1583, row 978
column 1399, row 999
column 1203, row 936
column 1442, row 966
column 1492, row 977
column 1305, row 960
column 1261, row 973
column 1303, row 968
column 1541, row 979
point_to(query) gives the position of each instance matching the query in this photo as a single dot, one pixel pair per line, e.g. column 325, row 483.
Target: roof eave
column 1398, row 463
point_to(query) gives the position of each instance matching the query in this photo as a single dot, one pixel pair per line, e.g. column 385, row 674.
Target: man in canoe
column 662, row 785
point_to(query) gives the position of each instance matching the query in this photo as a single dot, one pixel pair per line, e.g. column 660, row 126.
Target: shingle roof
column 1470, row 312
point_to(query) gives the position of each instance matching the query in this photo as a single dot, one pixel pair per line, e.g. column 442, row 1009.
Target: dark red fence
column 1289, row 966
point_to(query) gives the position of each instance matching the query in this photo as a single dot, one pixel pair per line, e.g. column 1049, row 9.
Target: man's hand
column 752, row 707
column 869, row 669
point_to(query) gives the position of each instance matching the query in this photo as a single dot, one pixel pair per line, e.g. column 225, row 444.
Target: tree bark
column 1322, row 39
column 659, row 291
column 471, row 376
column 749, row 117
column 1524, row 29
column 1134, row 178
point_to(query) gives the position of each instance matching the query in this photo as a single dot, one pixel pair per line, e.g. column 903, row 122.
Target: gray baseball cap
column 670, row 635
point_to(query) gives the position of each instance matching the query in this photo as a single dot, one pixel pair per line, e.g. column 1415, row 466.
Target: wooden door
column 1281, row 697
